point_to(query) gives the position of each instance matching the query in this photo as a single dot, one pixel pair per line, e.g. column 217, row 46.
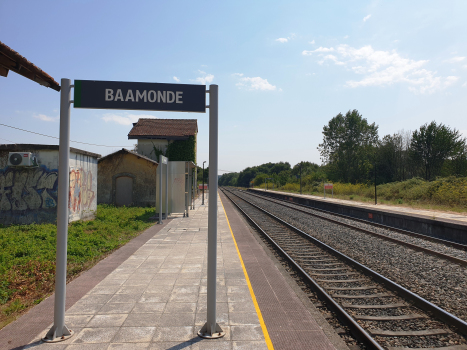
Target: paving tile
column 139, row 289
column 148, row 307
column 173, row 334
column 212, row 344
column 142, row 319
column 112, row 320
column 155, row 297
column 173, row 307
column 95, row 335
column 243, row 318
column 95, row 299
column 128, row 346
column 101, row 346
column 77, row 320
column 249, row 345
column 116, row 308
column 247, row 332
column 82, row 308
column 125, row 298
column 134, row 334
column 186, row 345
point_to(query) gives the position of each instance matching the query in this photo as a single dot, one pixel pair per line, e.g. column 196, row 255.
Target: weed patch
column 27, row 253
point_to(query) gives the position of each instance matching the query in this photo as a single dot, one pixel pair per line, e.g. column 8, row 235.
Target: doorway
column 124, row 191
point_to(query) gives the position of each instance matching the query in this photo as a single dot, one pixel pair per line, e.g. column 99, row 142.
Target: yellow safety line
column 258, row 311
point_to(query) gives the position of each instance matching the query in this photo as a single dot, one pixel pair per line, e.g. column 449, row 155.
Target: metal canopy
column 11, row 60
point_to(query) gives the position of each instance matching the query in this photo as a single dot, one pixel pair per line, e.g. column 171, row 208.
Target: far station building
column 130, row 177
column 155, row 136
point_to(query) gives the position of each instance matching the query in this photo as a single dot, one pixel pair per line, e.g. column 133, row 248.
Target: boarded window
column 124, row 191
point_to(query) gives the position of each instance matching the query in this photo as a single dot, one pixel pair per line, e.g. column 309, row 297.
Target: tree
column 433, row 144
column 348, row 147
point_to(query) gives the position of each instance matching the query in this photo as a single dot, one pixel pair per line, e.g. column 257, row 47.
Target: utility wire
column 36, row 133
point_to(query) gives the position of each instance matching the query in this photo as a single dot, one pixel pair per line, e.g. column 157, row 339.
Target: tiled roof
column 161, row 128
column 124, row 150
column 11, row 60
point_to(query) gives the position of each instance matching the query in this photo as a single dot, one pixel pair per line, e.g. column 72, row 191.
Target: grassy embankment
column 447, row 194
column 27, row 254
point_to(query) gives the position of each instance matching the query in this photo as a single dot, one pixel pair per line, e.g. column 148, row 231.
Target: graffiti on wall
column 81, row 195
column 28, row 189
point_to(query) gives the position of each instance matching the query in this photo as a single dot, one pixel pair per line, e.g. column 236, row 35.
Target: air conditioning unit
column 21, row 159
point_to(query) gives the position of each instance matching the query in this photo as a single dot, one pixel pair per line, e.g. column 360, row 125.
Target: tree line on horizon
column 352, row 152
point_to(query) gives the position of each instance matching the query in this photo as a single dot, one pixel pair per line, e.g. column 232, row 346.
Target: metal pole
column 300, row 177
column 376, row 198
column 211, row 329
column 59, row 330
column 187, row 168
column 160, row 189
column 194, row 188
column 167, row 189
column 203, row 184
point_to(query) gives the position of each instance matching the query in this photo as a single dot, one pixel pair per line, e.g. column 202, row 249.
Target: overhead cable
column 54, row 137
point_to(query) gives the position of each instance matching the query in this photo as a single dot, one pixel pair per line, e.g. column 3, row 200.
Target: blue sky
column 284, row 69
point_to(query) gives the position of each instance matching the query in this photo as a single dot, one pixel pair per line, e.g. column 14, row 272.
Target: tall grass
column 449, row 192
column 27, row 253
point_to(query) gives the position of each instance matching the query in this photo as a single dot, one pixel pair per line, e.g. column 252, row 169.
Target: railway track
column 380, row 313
column 430, row 245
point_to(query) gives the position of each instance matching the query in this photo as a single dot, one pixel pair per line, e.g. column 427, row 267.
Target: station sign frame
column 171, row 98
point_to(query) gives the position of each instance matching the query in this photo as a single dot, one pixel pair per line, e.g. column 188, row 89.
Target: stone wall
column 142, row 171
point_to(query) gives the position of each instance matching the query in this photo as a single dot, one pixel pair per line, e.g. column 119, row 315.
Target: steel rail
column 406, row 232
column 357, row 330
column 417, row 300
column 379, row 235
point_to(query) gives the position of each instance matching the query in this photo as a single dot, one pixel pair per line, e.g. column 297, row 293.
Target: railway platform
column 452, row 217
column 151, row 294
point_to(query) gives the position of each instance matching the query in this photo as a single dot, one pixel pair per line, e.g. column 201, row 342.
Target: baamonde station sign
column 97, row 94
column 122, row 95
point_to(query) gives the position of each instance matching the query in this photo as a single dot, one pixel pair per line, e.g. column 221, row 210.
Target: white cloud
column 311, row 42
column 255, row 83
column 176, row 79
column 127, row 119
column 284, row 40
column 205, row 78
column 465, row 84
column 346, row 37
column 366, row 18
column 319, row 49
column 455, row 59
column 383, row 68
column 45, row 118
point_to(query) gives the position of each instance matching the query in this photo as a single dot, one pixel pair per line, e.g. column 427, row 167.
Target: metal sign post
column 166, row 188
column 135, row 96
column 211, row 329
column 59, row 330
column 163, row 160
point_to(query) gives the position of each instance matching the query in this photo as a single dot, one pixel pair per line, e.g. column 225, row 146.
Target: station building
column 29, row 184
column 161, row 135
column 127, row 178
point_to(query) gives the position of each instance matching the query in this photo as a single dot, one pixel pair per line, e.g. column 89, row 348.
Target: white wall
column 146, row 147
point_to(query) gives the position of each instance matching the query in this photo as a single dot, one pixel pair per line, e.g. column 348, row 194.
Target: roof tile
column 146, row 127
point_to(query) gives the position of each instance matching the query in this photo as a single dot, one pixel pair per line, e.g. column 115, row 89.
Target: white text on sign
column 145, row 96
